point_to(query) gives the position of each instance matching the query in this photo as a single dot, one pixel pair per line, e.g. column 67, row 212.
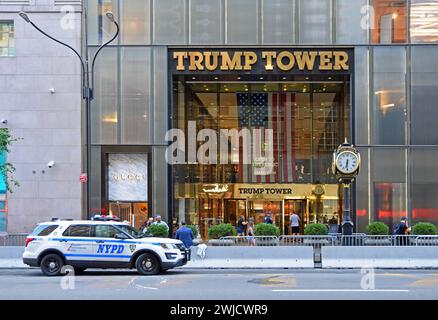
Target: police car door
column 107, row 247
column 77, row 242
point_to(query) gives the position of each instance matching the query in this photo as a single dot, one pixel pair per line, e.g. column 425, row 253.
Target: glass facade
column 389, row 108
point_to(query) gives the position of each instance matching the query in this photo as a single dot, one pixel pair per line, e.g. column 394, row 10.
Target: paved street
column 221, row 284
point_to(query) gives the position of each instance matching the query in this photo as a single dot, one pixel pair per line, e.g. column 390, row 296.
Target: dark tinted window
column 78, row 231
column 130, row 230
column 105, row 231
column 44, row 230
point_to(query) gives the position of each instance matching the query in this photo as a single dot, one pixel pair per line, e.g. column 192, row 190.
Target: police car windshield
column 130, row 230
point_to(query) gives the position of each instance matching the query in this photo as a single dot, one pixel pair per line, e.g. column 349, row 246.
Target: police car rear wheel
column 52, row 264
column 147, row 264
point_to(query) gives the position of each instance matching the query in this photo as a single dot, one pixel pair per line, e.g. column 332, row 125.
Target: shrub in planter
column 264, row 229
column 377, row 229
column 316, row 229
column 194, row 229
column 218, row 231
column 424, row 228
column 158, row 230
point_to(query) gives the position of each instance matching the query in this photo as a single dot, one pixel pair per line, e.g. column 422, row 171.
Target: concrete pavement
column 223, row 284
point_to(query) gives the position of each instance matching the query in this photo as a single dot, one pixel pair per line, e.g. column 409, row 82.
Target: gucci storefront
column 125, row 179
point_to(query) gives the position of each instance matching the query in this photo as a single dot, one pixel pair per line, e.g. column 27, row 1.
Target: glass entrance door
column 298, row 207
column 210, row 212
column 233, row 210
column 259, row 209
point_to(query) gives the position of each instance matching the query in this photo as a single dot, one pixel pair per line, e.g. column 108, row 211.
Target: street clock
column 346, row 161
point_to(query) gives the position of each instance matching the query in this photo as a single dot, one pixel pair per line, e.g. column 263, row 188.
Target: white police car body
column 97, row 244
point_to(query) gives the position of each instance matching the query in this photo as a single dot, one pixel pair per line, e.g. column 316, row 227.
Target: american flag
column 275, row 111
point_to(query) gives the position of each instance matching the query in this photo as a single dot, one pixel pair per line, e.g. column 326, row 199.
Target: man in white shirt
column 295, row 224
column 160, row 222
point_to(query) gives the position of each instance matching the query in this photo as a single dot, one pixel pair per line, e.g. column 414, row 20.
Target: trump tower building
column 313, row 72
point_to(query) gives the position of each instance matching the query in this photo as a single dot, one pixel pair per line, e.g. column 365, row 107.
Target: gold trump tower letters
column 323, row 60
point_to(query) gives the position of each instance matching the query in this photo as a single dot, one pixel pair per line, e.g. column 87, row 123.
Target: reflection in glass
column 100, row 28
column 104, row 117
column 314, row 21
column 206, row 22
column 389, row 21
column 242, row 22
column 424, row 95
column 424, row 185
column 349, row 20
column 135, row 22
column 135, row 95
column 389, row 176
column 424, row 21
column 278, row 21
column 389, row 95
column 169, row 22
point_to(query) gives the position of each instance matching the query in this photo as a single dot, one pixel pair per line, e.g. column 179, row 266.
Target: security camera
column 4, row 121
column 51, row 164
column 52, row 90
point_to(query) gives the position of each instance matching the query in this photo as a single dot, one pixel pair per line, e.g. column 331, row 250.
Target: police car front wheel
column 147, row 264
column 52, row 264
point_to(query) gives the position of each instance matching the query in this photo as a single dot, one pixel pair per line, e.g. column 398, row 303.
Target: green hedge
column 221, row 230
column 194, row 229
column 316, row 229
column 157, row 230
column 265, row 229
column 377, row 228
column 424, row 228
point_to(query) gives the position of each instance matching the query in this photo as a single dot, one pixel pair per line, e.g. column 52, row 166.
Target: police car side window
column 44, row 230
column 105, row 231
column 78, row 231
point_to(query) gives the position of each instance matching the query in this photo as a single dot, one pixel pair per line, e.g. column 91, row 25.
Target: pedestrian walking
column 185, row 234
column 268, row 218
column 295, row 224
column 241, row 224
column 250, row 233
column 144, row 227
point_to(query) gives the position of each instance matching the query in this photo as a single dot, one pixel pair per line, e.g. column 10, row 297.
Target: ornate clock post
column 346, row 163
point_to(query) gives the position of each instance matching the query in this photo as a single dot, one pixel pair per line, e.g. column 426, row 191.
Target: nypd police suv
column 100, row 244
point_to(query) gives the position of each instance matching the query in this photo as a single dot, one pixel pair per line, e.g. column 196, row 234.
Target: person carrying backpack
column 401, row 230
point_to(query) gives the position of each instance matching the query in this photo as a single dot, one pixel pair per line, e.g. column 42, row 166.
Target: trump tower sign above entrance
column 260, row 61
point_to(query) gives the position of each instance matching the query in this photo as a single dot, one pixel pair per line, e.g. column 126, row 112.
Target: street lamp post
column 87, row 86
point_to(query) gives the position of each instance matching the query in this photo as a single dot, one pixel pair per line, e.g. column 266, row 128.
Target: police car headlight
column 168, row 246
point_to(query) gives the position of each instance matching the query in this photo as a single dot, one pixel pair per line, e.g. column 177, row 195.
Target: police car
column 100, row 244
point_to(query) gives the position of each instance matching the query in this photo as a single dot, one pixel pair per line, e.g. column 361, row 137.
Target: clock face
column 347, row 162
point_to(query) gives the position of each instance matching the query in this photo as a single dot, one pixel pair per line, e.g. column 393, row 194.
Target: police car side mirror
column 121, row 236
